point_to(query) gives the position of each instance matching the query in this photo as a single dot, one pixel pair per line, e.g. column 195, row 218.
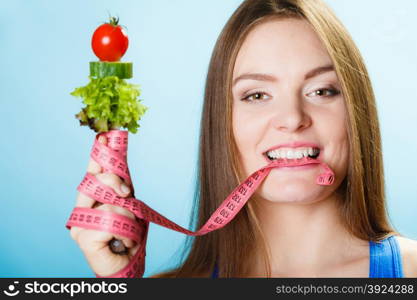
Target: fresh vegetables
column 111, row 102
column 102, row 69
column 110, row 41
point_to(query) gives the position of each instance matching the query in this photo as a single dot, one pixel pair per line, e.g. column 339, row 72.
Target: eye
column 324, row 92
column 256, row 96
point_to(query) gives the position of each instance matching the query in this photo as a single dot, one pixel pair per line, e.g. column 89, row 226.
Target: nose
column 290, row 116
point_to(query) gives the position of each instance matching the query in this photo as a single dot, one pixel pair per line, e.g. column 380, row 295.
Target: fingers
column 117, row 210
column 133, row 250
column 105, row 263
column 124, row 212
column 91, row 240
column 74, row 232
column 115, row 182
column 84, row 201
column 94, row 240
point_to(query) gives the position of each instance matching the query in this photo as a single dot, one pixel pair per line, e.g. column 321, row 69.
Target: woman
column 285, row 80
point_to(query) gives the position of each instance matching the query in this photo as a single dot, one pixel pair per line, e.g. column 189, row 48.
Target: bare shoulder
column 408, row 248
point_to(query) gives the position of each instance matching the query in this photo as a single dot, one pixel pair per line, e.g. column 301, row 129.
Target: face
column 287, row 98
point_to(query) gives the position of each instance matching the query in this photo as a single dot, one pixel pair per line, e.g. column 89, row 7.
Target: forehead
column 281, row 46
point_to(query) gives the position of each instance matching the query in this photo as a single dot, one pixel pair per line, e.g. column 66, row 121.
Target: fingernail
column 125, row 189
column 101, row 139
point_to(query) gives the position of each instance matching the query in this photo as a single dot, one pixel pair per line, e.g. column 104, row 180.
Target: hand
column 95, row 244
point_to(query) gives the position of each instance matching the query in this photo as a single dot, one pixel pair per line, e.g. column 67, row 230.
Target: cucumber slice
column 100, row 69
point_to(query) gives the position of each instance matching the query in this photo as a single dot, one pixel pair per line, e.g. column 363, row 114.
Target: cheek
column 247, row 131
column 333, row 132
column 343, row 150
column 241, row 130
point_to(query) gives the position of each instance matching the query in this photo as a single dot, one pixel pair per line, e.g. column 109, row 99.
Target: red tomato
column 110, row 41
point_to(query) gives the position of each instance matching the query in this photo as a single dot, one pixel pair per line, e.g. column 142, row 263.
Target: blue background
column 44, row 55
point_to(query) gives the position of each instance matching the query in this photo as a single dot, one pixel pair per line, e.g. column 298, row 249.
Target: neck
column 305, row 239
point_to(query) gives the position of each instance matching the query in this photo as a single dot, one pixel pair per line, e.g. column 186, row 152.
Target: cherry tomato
column 110, row 41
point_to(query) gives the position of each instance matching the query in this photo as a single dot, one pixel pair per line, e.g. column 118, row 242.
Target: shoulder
column 408, row 249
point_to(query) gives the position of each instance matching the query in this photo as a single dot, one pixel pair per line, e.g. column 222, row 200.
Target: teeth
column 305, row 152
column 273, row 154
column 293, row 153
column 299, row 154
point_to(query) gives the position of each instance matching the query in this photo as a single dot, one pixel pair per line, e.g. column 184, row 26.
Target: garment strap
column 385, row 259
column 215, row 273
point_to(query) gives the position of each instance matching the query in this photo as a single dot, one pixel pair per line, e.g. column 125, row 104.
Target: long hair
column 363, row 208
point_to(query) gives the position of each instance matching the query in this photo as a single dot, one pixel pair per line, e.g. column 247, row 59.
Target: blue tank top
column 384, row 260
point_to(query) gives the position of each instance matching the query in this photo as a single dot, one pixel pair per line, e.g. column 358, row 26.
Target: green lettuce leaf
column 111, row 103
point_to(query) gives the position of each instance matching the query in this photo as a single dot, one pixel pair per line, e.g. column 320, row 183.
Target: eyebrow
column 267, row 77
column 318, row 71
column 255, row 76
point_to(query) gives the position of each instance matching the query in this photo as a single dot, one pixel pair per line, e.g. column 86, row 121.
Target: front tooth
column 277, row 153
column 293, row 154
column 298, row 154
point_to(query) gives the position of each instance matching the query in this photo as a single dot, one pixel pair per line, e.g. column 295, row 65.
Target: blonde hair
column 363, row 208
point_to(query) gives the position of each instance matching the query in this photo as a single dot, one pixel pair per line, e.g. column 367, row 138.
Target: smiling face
column 286, row 98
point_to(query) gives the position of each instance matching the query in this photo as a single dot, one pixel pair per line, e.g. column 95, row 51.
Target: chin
column 295, row 191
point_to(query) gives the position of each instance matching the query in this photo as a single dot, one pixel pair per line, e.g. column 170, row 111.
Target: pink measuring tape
column 113, row 158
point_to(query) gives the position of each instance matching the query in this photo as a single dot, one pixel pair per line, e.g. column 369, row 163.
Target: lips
column 296, row 164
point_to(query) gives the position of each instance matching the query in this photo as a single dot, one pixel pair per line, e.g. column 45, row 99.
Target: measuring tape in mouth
column 113, row 158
